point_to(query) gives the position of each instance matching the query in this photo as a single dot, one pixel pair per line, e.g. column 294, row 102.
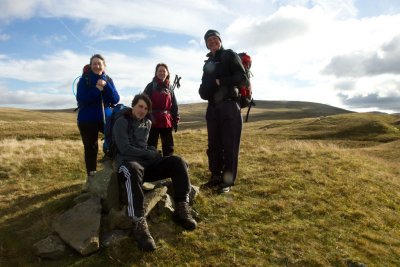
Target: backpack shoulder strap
column 86, row 76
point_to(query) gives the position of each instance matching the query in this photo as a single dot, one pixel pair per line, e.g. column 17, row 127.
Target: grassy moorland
column 314, row 189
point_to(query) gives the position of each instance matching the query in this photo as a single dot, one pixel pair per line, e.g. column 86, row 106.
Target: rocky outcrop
column 99, row 220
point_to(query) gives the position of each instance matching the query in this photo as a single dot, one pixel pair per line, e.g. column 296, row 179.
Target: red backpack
column 245, row 92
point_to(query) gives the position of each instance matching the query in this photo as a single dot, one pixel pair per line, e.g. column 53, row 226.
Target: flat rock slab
column 79, row 227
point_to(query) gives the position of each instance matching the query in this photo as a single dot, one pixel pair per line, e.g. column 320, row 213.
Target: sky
column 344, row 53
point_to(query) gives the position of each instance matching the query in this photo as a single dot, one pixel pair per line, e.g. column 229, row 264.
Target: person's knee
column 134, row 166
column 134, row 169
column 178, row 161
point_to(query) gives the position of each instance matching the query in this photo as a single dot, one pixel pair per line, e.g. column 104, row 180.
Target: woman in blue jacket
column 95, row 94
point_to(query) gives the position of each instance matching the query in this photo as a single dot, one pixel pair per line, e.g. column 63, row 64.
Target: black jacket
column 227, row 67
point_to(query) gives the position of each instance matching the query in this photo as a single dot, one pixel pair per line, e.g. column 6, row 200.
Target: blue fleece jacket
column 89, row 98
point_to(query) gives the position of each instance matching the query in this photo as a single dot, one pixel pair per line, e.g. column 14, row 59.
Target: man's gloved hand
column 175, row 126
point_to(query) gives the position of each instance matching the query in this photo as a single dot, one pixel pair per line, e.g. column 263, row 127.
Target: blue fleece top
column 89, row 98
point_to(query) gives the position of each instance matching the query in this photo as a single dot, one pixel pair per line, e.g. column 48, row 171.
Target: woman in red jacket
column 164, row 116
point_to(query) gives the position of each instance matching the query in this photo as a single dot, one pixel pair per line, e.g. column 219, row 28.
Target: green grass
column 311, row 192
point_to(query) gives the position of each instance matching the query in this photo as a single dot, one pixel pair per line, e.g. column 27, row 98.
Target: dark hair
column 143, row 97
column 97, row 56
column 162, row 65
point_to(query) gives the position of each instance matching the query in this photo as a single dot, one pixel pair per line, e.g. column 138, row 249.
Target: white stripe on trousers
column 127, row 175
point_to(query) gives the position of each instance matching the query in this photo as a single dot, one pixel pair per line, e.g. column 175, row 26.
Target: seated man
column 138, row 163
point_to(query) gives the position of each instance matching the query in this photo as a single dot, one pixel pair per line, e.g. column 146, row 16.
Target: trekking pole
column 104, row 114
column 177, row 82
column 248, row 110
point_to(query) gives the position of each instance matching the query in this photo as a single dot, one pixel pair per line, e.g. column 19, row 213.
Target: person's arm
column 174, row 106
column 174, row 111
column 149, row 89
column 208, row 81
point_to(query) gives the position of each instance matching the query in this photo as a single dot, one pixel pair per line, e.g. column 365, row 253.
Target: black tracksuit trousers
column 224, row 127
column 132, row 175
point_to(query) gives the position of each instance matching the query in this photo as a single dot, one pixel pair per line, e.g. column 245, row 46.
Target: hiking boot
column 223, row 188
column 89, row 181
column 183, row 215
column 213, row 182
column 142, row 235
column 86, row 186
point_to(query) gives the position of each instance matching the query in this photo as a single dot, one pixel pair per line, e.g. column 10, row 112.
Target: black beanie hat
column 210, row 33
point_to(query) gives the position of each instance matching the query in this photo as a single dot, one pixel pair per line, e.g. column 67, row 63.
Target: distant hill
column 291, row 110
column 271, row 109
column 193, row 115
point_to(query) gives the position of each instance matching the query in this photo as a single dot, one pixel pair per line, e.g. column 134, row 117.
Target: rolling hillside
column 317, row 186
column 194, row 114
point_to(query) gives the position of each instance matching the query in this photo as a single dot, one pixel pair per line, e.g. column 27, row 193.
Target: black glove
column 175, row 126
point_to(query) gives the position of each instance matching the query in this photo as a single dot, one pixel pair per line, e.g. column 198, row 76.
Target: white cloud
column 4, row 37
column 35, row 98
column 51, row 68
column 316, row 50
column 187, row 17
column 18, row 9
column 50, row 41
column 123, row 37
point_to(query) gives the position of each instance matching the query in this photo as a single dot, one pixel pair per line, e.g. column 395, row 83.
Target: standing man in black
column 223, row 73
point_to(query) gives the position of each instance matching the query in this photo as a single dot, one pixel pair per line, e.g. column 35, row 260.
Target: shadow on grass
column 19, row 233
column 36, row 199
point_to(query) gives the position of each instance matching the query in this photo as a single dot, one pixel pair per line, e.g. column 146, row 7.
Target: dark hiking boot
column 142, row 235
column 183, row 216
column 213, row 182
column 223, row 188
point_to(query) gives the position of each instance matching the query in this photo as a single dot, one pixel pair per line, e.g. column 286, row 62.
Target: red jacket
column 165, row 107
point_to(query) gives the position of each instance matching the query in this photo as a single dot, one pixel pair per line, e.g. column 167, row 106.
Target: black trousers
column 132, row 175
column 90, row 135
column 167, row 141
column 224, row 127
